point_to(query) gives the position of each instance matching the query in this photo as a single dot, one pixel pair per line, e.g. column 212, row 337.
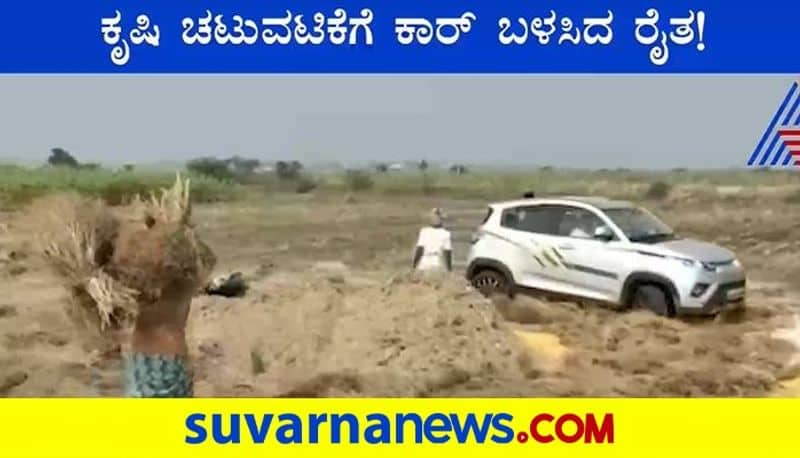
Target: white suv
column 602, row 250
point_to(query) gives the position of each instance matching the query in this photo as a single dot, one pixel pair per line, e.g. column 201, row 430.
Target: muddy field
column 333, row 311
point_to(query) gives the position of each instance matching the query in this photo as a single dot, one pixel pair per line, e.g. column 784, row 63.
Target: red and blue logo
column 780, row 144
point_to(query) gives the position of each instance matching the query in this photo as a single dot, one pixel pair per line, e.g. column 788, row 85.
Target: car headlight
column 737, row 263
column 687, row 262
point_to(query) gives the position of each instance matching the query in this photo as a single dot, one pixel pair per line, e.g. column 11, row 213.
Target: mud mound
column 312, row 335
column 639, row 354
column 355, row 334
column 533, row 311
column 410, row 336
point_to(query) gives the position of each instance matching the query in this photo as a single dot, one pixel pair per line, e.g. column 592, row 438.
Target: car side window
column 579, row 223
column 539, row 219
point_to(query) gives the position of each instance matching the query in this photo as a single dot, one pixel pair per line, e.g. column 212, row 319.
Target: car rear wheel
column 490, row 282
column 653, row 298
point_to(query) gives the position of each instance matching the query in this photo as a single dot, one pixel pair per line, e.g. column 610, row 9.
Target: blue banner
column 394, row 36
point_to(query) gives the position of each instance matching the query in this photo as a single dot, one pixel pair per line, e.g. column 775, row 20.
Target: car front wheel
column 490, row 282
column 653, row 298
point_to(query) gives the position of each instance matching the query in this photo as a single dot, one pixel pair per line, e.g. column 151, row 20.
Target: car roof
column 602, row 203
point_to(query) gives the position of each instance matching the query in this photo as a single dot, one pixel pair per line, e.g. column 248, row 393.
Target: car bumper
column 726, row 296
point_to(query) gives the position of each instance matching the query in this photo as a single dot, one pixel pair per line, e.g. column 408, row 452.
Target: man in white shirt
column 434, row 249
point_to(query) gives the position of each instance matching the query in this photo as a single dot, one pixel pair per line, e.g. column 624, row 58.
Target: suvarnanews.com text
column 399, row 428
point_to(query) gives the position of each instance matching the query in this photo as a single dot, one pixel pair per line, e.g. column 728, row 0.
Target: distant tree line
column 229, row 169
column 290, row 170
column 59, row 157
column 291, row 175
column 423, row 165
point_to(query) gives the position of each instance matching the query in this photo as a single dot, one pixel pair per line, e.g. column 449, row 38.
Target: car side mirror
column 603, row 233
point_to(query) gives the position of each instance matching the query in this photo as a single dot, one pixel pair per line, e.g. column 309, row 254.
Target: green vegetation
column 216, row 180
column 211, row 168
column 302, row 184
column 358, row 180
column 18, row 185
column 658, row 191
column 495, row 184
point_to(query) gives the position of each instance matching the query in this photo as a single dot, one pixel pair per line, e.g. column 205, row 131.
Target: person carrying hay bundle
column 434, row 250
column 135, row 278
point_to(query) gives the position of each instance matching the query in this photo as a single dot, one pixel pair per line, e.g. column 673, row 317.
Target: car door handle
column 566, row 247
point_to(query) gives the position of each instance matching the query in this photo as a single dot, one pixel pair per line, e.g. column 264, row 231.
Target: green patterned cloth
column 157, row 376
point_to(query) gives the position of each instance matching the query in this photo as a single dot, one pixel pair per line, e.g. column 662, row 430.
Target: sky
column 562, row 121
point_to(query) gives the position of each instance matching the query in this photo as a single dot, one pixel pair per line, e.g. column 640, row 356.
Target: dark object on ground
column 12, row 381
column 7, row 311
column 230, row 286
column 529, row 195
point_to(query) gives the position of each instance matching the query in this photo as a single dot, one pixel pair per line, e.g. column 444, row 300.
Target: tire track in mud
column 635, row 353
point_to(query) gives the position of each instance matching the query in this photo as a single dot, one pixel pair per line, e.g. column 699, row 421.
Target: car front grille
column 720, row 296
column 733, row 285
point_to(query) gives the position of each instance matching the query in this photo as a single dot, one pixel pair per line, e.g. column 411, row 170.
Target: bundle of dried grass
column 113, row 263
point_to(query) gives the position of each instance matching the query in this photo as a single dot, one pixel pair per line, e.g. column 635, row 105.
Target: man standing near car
column 434, row 251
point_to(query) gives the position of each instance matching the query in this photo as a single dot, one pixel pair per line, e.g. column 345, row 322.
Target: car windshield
column 639, row 225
